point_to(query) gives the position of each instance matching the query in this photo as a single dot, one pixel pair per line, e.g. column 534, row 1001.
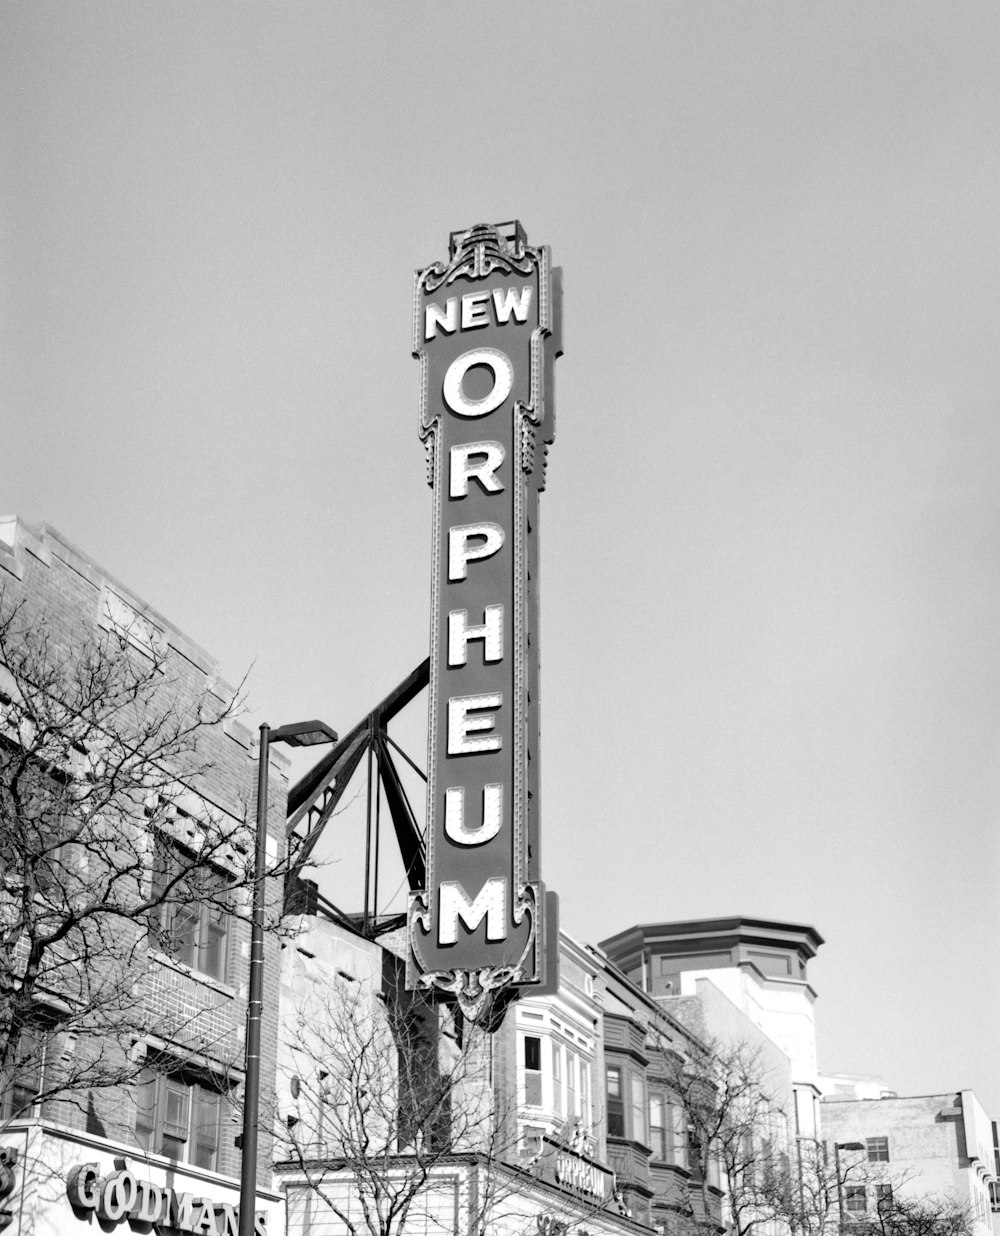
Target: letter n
column 226, row 1219
column 446, row 319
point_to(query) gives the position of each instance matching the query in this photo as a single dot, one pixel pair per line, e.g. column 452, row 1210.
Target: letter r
column 463, row 467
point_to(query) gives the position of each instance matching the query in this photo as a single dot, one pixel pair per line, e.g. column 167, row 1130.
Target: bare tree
column 893, row 1215
column 388, row 1090
column 108, row 849
column 736, row 1133
column 823, row 1192
column 809, row 1192
column 772, row 1182
column 393, row 1111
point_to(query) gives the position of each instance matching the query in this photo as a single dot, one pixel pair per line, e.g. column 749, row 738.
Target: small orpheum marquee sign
column 486, row 332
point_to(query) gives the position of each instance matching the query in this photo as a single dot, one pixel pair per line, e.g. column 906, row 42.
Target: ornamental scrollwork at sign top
column 475, row 990
column 480, row 251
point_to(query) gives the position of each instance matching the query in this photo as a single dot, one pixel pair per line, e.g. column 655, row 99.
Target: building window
column 695, row 1152
column 638, row 1088
column 883, row 1198
column 878, row 1149
column 557, row 1079
column 63, row 873
column 616, row 1102
column 18, row 1096
column 678, row 1125
column 572, row 1093
column 42, row 851
column 658, row 1127
column 191, row 921
column 855, row 1200
column 179, row 1117
column 532, row 1070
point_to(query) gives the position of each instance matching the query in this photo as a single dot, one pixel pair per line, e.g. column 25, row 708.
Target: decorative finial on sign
column 511, row 235
column 478, row 251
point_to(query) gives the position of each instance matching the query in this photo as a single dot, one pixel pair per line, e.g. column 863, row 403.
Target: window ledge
column 206, row 980
column 670, row 1169
column 621, row 1140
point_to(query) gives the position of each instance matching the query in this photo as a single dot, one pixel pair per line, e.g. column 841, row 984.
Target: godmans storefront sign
column 486, row 332
column 123, row 1196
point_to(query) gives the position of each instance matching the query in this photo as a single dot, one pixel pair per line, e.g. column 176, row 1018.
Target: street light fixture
column 301, row 734
column 837, row 1148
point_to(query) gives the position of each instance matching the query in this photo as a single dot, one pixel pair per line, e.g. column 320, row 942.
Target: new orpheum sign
column 486, row 332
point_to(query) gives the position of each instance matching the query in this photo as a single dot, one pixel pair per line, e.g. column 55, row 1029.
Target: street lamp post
column 302, row 734
column 837, row 1148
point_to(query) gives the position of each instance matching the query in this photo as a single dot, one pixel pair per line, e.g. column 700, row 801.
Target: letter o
column 503, row 381
column 117, row 1197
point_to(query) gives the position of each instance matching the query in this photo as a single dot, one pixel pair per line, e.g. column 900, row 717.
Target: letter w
column 508, row 301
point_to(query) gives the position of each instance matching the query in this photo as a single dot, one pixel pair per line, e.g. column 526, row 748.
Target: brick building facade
column 172, row 1125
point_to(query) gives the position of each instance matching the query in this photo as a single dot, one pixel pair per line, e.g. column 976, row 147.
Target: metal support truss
column 314, row 798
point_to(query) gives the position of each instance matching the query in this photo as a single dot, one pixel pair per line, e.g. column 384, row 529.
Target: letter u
column 454, row 815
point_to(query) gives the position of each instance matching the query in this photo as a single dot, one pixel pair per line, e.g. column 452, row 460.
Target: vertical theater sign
column 486, row 333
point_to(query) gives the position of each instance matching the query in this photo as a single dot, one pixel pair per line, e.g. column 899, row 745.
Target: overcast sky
column 770, row 541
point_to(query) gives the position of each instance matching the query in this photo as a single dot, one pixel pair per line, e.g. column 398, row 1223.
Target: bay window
column 615, row 1101
column 658, row 1127
column 637, row 1084
column 531, row 1047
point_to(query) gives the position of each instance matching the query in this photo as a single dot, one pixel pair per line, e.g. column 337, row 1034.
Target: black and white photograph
column 499, row 618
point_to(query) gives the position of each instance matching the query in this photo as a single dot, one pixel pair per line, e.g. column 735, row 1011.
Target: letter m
column 490, row 904
column 180, row 1211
